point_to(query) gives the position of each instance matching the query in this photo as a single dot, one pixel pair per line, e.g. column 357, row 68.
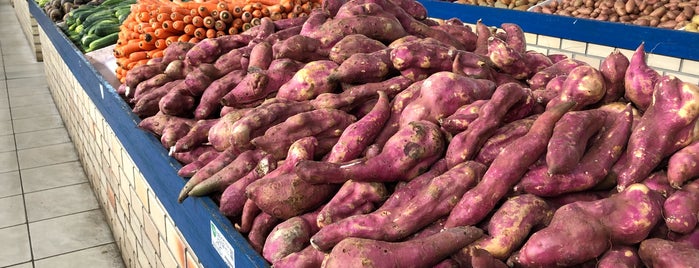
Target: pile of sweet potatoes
column 368, row 133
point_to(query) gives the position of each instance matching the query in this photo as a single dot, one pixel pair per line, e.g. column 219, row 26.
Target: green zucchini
column 103, row 42
column 104, row 28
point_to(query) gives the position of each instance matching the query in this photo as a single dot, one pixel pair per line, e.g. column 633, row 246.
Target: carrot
column 184, row 38
column 237, row 11
column 246, row 26
column 204, row 11
column 265, row 12
column 146, row 45
column 175, row 16
column 155, row 53
column 214, row 13
column 178, row 11
column 194, row 40
column 138, row 55
column 298, row 9
column 255, row 21
column 288, row 6
column 200, row 33
column 198, row 21
column 221, row 6
column 275, row 8
column 160, row 44
column 128, row 48
column 209, row 22
column 291, row 15
column 276, row 16
column 257, row 13
column 161, row 33
column 237, row 23
column 232, row 30
column 189, row 29
column 248, row 8
column 156, row 25
column 171, row 39
column 187, row 19
column 219, row 25
column 225, row 16
column 220, row 33
column 246, row 16
column 143, row 16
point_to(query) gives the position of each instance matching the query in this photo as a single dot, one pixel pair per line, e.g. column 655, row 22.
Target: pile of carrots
column 154, row 24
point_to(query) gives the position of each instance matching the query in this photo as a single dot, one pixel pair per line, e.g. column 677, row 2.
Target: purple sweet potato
column 657, row 181
column 584, row 85
column 507, row 168
column 292, row 235
column 360, row 93
column 176, row 51
column 656, row 252
column 150, row 84
column 175, row 130
column 255, row 122
column 401, row 218
column 222, row 160
column 260, row 57
column 509, row 227
column 260, row 229
column 604, row 150
column 283, row 34
column 465, row 145
column 563, row 67
column 406, row 155
column 683, row 165
column 300, row 48
column 196, row 136
column 278, row 138
column 514, row 37
column 502, row 137
column 570, row 139
column 209, row 104
column 353, row 198
column 460, row 32
column 360, row 68
column 613, row 69
column 190, row 169
column 231, row 42
column 282, row 194
column 312, row 80
column 156, row 123
column 238, row 168
column 418, row 60
column 625, row 218
column 425, row 252
column 206, row 51
column 260, row 31
column 258, row 85
column 483, row 33
column 537, row 61
column 308, row 257
column 352, row 44
column 640, row 80
column 247, row 217
column 620, row 256
column 681, row 208
column 472, row 65
column 359, row 135
column 667, row 125
column 178, row 101
column 140, row 74
column 398, row 104
column 462, row 117
column 192, row 155
column 147, row 103
column 236, row 59
column 280, row 25
column 508, row 60
column 177, row 69
column 557, row 57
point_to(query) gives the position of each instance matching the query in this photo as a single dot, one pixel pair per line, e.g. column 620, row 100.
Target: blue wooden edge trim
column 666, row 42
column 194, row 215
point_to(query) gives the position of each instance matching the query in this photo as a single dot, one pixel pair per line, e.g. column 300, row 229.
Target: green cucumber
column 105, row 28
column 103, row 42
column 97, row 16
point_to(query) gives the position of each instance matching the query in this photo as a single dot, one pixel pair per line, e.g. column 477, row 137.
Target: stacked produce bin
column 154, row 145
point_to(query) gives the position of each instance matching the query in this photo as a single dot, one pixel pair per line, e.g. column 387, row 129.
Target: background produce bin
column 136, row 182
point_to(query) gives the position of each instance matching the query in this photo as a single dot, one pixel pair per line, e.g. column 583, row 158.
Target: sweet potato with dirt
column 570, row 139
column 175, row 130
column 247, row 217
column 260, row 229
column 222, row 160
column 511, row 224
column 192, row 155
column 681, row 208
column 156, row 123
column 460, row 32
column 197, row 135
column 506, row 170
column 584, row 85
column 353, row 198
column 255, row 122
column 502, row 137
column 282, row 194
column 190, row 169
column 300, row 48
column 640, row 80
column 210, row 103
column 236, row 59
column 424, row 252
column 308, row 257
column 465, row 145
column 625, row 218
column 656, row 252
column 674, row 107
column 563, row 67
column 613, row 69
column 401, row 218
column 604, row 150
column 150, row 84
column 514, row 37
column 406, row 155
column 360, row 68
column 359, row 135
column 176, row 51
column 398, row 104
column 353, row 44
column 418, row 60
column 657, row 181
column 233, row 198
column 261, row 57
column 140, row 74
column 472, row 65
column 256, row 86
column 290, row 236
column 620, row 256
column 462, row 117
column 177, row 102
column 360, row 93
column 508, row 60
column 310, row 81
column 683, row 165
column 147, row 103
column 205, row 51
column 278, row 138
column 238, row 168
column 222, row 127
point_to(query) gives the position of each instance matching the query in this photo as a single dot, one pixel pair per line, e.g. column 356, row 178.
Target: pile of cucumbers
column 93, row 27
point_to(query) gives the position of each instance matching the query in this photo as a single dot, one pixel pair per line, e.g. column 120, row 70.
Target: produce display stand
column 29, row 27
column 137, row 183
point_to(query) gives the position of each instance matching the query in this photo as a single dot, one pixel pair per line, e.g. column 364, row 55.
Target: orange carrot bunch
column 154, row 24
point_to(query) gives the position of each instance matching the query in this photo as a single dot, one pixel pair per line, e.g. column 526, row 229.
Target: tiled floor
column 49, row 216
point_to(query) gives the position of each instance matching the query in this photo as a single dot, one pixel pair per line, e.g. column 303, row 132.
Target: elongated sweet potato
column 502, row 137
column 681, row 208
column 236, row 59
column 178, row 101
column 509, row 60
column 352, row 44
column 312, row 80
column 613, row 69
column 176, row 51
column 570, row 139
column 260, row 229
column 466, row 144
column 640, row 80
column 258, row 85
column 459, row 31
column 175, row 130
column 353, row 198
column 563, row 67
column 657, row 181
column 356, row 94
column 280, row 25
column 418, row 60
column 140, row 74
column 360, row 68
column 147, row 103
column 406, row 155
column 210, row 103
column 238, row 168
column 401, row 218
column 398, row 104
column 261, row 57
column 506, row 170
column 309, row 257
column 190, row 169
column 683, row 165
column 472, row 65
column 300, row 48
column 604, row 150
column 657, row 252
column 290, row 236
column 233, row 197
column 675, row 108
column 625, row 218
column 192, row 155
column 584, row 85
column 222, row 160
column 278, row 138
column 462, row 117
column 423, row 252
column 196, row 136
column 150, row 84
column 206, row 51
column 247, row 217
column 620, row 256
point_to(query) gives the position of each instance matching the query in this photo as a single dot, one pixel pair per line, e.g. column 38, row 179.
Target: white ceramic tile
column 37, row 123
column 15, row 248
column 7, row 143
column 12, row 211
column 47, row 155
column 8, row 161
column 33, row 111
column 69, row 233
column 105, row 256
column 11, row 184
column 28, row 100
column 60, row 201
column 64, row 174
column 41, row 138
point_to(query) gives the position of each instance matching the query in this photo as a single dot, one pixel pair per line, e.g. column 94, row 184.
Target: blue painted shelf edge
column 194, row 216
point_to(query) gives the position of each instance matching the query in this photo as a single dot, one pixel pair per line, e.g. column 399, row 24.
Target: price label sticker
column 224, row 249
